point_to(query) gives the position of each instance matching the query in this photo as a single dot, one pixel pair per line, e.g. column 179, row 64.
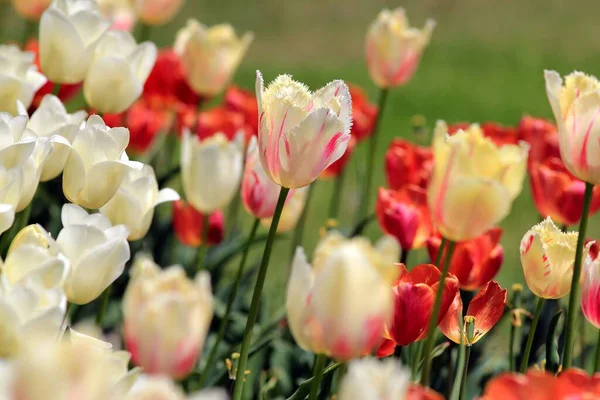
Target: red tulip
column 407, row 163
column 542, row 136
column 338, row 166
column 187, row 223
column 418, row 392
column 404, row 214
column 222, row 120
column 363, row 113
column 475, row 262
column 244, row 102
column 487, row 307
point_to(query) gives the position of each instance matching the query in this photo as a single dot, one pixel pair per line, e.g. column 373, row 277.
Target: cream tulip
column 167, row 317
column 51, row 122
column 69, row 33
column 96, row 250
column 19, row 78
column 211, row 170
column 474, row 182
column 150, row 387
column 157, row 12
column 576, row 106
column 292, row 210
column 371, row 378
column 30, row 9
column 301, row 133
column 133, row 204
column 97, row 164
column 210, row 56
column 340, row 305
column 7, row 217
column 393, row 48
column 118, row 72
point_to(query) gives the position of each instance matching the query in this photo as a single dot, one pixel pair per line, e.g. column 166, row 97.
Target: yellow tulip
column 474, row 182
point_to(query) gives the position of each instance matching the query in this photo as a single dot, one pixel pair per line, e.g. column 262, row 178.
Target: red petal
column 386, row 348
column 418, row 392
column 487, row 307
column 450, row 325
column 413, row 305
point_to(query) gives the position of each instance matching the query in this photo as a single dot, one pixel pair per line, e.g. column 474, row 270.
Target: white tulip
column 118, row 72
column 96, row 250
column 19, row 78
column 370, row 378
column 69, row 33
column 7, row 217
column 133, row 204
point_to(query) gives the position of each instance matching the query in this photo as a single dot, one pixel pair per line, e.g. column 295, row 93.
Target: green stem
column 103, row 306
column 438, row 258
column 56, row 89
column 463, row 381
column 232, row 214
column 299, row 230
column 536, row 318
column 202, row 249
column 258, row 287
column 230, row 301
column 433, row 320
column 364, row 203
column 418, row 351
column 318, row 376
column 334, row 206
column 574, row 295
column 597, row 359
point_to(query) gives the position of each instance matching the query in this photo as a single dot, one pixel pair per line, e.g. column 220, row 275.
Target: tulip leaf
column 304, row 388
column 552, row 356
column 222, row 254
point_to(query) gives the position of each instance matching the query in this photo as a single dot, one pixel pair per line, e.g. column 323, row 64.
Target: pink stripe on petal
column 582, row 159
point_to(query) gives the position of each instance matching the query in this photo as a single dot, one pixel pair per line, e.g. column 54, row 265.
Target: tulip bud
column 187, row 223
column 292, row 211
column 407, row 163
column 575, row 106
column 590, row 288
column 210, row 56
column 30, row 9
column 157, row 12
column 301, row 133
column 167, row 317
column 484, row 311
column 547, row 256
column 211, row 170
column 97, row 164
column 133, row 204
column 394, row 49
column 78, row 23
column 19, row 78
column 96, row 250
column 118, row 71
column 474, row 182
column 326, row 311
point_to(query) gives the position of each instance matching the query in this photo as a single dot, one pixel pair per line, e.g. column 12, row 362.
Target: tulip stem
column 103, row 306
column 575, row 285
column 463, row 380
column 530, row 336
column 515, row 327
column 364, row 201
column 230, row 300
column 299, row 230
column 334, row 206
column 438, row 257
column 597, row 358
column 258, row 287
column 433, row 320
column 318, row 376
column 404, row 256
column 56, row 89
column 202, row 249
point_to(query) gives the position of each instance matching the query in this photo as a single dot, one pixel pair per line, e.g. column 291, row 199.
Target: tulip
column 301, row 133
column 96, row 250
column 363, row 113
column 120, row 13
column 244, row 102
column 590, row 287
column 575, row 105
column 210, row 56
column 51, row 122
column 97, row 164
column 407, row 163
column 223, row 120
column 294, row 205
column 167, row 317
column 19, row 78
column 474, row 182
column 157, row 12
column 335, row 169
column 475, row 262
column 187, row 223
column 116, row 76
column 150, row 387
column 77, row 22
column 486, row 307
column 211, row 170
column 393, row 49
column 404, row 214
column 166, row 85
column 547, row 256
column 326, row 311
column 7, row 217
column 500, row 135
column 542, row 136
column 133, row 204
column 30, row 9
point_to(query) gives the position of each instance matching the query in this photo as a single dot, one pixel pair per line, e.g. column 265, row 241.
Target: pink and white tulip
column 590, row 288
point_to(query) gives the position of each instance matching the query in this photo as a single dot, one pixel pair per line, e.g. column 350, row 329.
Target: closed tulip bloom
column 475, row 262
column 133, row 204
column 51, row 121
column 393, row 48
column 590, row 287
column 542, row 136
column 339, row 305
column 187, row 224
column 292, row 211
column 486, row 307
column 211, row 170
column 575, row 105
column 96, row 250
column 547, row 257
column 116, row 76
column 407, row 163
column 244, row 102
column 77, row 22
column 19, row 78
column 301, row 133
column 210, row 56
column 97, row 164
column 474, row 182
column 157, row 12
column 167, row 317
column 30, row 9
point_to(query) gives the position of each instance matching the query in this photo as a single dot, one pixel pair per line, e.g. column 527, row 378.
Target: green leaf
column 304, row 388
column 552, row 357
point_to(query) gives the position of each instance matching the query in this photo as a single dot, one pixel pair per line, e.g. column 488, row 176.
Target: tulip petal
column 74, row 177
column 412, row 310
column 298, row 291
column 7, row 217
column 107, row 176
column 111, row 85
column 451, row 324
column 487, row 307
